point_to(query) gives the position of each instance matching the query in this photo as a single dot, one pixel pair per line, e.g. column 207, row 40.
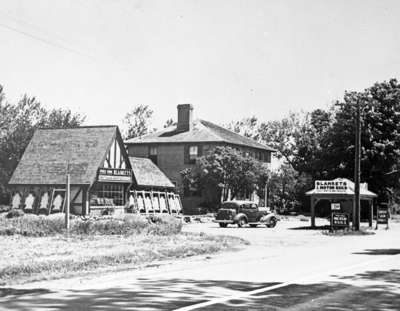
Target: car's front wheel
column 223, row 224
column 242, row 222
column 272, row 223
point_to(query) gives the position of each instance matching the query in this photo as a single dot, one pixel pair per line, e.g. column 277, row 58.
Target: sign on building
column 335, row 206
column 114, row 175
column 331, row 186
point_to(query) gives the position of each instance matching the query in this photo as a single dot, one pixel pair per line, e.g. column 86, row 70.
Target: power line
column 30, row 25
column 48, row 42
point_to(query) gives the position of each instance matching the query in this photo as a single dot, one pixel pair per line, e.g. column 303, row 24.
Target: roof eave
column 266, row 148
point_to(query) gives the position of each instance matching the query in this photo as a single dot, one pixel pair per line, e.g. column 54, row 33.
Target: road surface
column 284, row 268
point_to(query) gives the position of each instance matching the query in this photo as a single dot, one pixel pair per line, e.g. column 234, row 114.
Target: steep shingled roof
column 46, row 157
column 202, row 131
column 147, row 174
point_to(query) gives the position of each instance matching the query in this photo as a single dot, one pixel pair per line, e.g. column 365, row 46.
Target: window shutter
column 186, row 154
column 200, row 150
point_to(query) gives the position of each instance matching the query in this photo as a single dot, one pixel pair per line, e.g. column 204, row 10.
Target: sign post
column 357, row 160
column 67, row 200
column 266, row 194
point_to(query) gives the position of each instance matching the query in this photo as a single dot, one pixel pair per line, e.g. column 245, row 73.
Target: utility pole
column 67, row 198
column 356, row 208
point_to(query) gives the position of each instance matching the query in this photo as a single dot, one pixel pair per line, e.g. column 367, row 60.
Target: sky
column 229, row 59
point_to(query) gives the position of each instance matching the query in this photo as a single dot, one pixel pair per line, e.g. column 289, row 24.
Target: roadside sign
column 382, row 216
column 335, row 206
column 339, row 220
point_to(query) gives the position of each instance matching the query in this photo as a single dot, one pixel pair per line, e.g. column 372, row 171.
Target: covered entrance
column 340, row 190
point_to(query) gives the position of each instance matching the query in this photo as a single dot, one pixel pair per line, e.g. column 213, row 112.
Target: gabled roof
column 147, row 174
column 46, row 158
column 202, row 131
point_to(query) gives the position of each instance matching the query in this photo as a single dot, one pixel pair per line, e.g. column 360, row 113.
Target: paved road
column 282, row 269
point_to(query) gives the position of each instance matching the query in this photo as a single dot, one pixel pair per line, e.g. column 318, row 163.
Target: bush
column 34, row 225
column 4, row 208
column 15, row 213
column 165, row 225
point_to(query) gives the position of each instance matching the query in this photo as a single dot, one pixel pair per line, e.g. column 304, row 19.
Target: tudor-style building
column 177, row 147
column 94, row 156
column 101, row 174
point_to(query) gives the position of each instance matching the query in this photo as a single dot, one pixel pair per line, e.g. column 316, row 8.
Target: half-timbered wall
column 43, row 199
column 114, row 158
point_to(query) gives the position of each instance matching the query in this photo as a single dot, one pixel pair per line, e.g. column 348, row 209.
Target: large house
column 177, row 147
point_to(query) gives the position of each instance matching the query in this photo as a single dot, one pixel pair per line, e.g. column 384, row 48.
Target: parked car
column 242, row 213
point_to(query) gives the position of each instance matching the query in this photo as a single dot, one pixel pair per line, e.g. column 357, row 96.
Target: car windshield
column 229, row 205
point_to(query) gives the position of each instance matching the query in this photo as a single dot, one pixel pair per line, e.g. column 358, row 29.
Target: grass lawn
column 26, row 259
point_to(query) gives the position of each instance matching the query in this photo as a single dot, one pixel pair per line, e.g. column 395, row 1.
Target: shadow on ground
column 382, row 251
column 327, row 296
column 9, row 291
column 372, row 290
column 141, row 294
column 324, row 227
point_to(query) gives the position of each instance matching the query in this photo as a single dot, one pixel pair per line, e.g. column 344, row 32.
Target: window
column 153, row 150
column 107, row 195
column 266, row 157
column 193, row 153
column 153, row 154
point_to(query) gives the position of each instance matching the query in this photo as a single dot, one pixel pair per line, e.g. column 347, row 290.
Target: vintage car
column 245, row 212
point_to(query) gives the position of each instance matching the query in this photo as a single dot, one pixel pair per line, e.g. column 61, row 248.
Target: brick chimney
column 185, row 117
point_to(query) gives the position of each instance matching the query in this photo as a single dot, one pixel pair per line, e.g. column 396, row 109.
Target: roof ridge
column 75, row 128
column 208, row 129
column 237, row 134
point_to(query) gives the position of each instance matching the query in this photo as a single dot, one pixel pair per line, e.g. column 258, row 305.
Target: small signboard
column 339, row 220
column 114, row 175
column 382, row 216
column 331, row 186
column 335, row 206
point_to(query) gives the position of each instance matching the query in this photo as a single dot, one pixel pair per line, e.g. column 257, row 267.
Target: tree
column 17, row 125
column 247, row 127
column 321, row 144
column 380, row 136
column 282, row 135
column 138, row 121
column 169, row 123
column 225, row 168
column 62, row 118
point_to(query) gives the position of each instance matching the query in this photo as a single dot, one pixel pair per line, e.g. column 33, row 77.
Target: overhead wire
column 39, row 38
